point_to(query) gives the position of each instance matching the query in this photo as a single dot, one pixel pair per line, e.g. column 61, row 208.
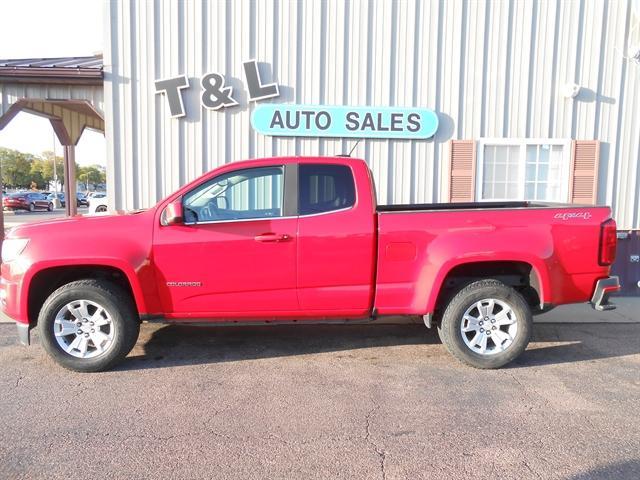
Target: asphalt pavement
column 303, row 402
column 19, row 217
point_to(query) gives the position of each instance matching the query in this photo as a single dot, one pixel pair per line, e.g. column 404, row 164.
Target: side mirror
column 172, row 214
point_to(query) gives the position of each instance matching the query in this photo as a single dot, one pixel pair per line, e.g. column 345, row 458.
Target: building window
column 523, row 169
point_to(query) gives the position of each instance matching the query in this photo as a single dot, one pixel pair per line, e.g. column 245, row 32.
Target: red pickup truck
column 302, row 239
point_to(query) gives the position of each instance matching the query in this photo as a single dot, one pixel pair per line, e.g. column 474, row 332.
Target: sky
column 46, row 28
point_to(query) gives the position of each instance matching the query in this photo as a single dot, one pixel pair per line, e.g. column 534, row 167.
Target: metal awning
column 68, row 118
column 68, row 70
column 33, row 85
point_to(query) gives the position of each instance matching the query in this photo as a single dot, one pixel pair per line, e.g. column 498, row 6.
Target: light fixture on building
column 634, row 53
column 570, row 90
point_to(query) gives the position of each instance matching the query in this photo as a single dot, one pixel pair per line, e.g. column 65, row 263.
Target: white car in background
column 98, row 203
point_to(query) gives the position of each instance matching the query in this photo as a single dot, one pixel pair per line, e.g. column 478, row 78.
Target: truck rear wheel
column 486, row 324
column 88, row 325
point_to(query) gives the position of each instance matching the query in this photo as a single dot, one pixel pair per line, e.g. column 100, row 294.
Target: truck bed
column 557, row 244
column 469, row 206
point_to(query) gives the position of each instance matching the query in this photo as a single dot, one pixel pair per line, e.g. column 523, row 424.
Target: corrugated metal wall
column 490, row 69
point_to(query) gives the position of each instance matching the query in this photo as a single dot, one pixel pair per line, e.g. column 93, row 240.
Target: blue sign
column 338, row 121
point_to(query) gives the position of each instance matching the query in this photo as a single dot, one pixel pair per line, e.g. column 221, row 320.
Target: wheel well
column 45, row 282
column 519, row 275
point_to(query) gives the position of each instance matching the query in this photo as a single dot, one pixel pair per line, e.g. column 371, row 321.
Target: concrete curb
column 627, row 311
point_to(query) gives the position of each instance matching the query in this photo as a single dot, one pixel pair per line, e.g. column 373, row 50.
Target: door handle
column 271, row 237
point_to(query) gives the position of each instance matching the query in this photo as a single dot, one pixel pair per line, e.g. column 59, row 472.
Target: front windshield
column 202, row 196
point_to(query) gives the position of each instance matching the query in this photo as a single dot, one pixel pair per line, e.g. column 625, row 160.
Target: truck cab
column 291, row 238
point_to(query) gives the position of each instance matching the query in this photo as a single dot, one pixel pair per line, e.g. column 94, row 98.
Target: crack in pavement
column 524, row 462
column 382, row 455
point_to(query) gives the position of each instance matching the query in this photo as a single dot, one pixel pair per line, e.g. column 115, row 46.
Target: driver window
column 240, row 195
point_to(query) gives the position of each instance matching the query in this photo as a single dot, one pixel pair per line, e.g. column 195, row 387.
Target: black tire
column 101, row 209
column 32, row 207
column 451, row 335
column 50, row 207
column 124, row 321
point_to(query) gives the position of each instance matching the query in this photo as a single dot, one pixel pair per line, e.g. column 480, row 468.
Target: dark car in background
column 30, row 201
column 82, row 200
column 60, row 198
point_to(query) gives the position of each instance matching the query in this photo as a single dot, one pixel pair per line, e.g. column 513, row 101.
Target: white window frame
column 523, row 143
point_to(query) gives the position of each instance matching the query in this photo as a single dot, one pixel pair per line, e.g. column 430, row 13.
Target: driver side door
column 235, row 254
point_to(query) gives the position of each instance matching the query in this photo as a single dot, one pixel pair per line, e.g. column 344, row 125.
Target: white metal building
column 500, row 73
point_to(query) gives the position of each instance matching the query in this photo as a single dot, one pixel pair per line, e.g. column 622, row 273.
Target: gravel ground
column 324, row 402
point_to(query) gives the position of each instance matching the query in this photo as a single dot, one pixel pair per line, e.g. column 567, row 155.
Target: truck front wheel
column 486, row 324
column 88, row 325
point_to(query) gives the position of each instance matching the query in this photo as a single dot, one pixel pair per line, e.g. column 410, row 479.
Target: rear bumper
column 604, row 288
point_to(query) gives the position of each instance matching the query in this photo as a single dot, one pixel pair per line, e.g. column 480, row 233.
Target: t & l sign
column 215, row 94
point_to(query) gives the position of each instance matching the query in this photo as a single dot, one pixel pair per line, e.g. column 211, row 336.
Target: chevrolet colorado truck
column 301, row 239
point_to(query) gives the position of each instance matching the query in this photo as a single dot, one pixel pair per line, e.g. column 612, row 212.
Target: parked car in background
column 82, row 200
column 60, row 198
column 97, row 193
column 30, row 201
column 98, row 203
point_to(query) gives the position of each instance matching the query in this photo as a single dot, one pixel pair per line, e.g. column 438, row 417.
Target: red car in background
column 30, row 201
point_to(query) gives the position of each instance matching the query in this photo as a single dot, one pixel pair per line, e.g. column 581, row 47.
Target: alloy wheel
column 84, row 329
column 489, row 326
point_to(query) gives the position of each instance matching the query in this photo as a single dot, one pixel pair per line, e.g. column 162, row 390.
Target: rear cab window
column 325, row 188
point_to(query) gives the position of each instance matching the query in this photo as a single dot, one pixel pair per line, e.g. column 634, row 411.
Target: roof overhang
column 66, row 70
column 53, row 76
column 68, row 118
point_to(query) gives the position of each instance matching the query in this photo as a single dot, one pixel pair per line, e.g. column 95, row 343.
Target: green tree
column 47, row 167
column 91, row 174
column 36, row 174
column 16, row 168
column 22, row 170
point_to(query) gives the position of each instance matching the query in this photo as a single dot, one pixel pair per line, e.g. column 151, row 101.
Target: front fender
column 132, row 274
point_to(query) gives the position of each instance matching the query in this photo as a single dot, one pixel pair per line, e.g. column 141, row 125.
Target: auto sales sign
column 344, row 121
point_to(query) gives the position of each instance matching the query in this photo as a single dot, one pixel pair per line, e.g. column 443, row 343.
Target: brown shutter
column 583, row 180
column 462, row 170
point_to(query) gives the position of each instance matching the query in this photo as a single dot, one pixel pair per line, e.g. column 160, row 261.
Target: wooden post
column 71, row 205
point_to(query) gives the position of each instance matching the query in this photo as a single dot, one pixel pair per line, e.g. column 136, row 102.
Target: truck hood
column 87, row 225
column 121, row 240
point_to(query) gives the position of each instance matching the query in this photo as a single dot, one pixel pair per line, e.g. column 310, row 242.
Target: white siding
column 490, row 69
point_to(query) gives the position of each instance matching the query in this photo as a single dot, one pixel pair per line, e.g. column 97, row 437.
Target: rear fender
column 538, row 269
